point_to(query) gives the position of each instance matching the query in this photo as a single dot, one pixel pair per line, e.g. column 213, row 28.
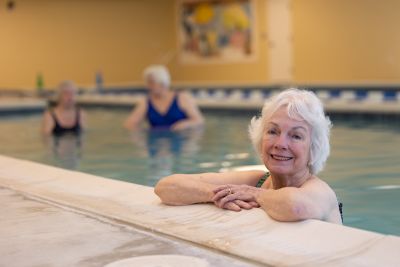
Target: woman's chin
column 280, row 170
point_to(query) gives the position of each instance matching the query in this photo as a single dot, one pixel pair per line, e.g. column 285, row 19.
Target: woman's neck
column 161, row 94
column 279, row 181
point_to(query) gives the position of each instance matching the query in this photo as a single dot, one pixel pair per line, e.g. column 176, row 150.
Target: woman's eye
column 296, row 137
column 271, row 132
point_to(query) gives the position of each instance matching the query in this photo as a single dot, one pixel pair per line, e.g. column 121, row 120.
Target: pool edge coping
column 73, row 189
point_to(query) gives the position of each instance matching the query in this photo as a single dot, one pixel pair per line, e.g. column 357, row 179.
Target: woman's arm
column 186, row 189
column 137, row 115
column 291, row 204
column 194, row 116
column 315, row 200
column 47, row 123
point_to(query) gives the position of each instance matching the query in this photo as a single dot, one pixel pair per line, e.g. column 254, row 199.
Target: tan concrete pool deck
column 36, row 233
column 248, row 235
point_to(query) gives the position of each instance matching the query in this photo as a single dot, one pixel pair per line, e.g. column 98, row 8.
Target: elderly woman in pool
column 66, row 116
column 164, row 108
column 292, row 139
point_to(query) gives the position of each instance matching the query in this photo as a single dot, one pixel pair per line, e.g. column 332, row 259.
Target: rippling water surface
column 363, row 169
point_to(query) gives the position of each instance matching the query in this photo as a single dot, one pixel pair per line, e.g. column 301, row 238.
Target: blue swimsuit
column 174, row 114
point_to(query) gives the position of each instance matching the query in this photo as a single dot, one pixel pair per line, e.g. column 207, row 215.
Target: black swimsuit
column 60, row 130
column 265, row 177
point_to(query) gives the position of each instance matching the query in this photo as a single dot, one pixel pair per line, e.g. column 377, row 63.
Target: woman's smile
column 280, row 157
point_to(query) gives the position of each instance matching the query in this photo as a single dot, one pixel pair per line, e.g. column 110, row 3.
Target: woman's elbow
column 163, row 190
column 285, row 216
column 305, row 209
column 46, row 131
column 292, row 211
column 291, row 216
column 127, row 125
column 198, row 123
column 200, row 120
column 159, row 188
column 299, row 211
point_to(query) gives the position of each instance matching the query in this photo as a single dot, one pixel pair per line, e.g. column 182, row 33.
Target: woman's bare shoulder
column 319, row 187
column 184, row 94
column 185, row 97
column 315, row 181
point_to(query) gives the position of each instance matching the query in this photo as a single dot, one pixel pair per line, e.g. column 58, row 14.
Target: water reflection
column 65, row 149
column 167, row 149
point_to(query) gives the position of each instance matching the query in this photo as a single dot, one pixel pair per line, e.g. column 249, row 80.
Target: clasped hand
column 236, row 197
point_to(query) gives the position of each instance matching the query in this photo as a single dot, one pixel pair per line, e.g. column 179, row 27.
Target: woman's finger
column 242, row 204
column 219, row 204
column 236, row 196
column 228, row 198
column 222, row 194
column 232, row 206
column 221, row 187
column 254, row 204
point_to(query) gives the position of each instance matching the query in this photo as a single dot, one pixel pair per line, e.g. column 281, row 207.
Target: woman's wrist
column 210, row 192
column 259, row 194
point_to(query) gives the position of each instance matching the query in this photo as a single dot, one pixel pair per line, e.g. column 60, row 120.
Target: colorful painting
column 216, row 30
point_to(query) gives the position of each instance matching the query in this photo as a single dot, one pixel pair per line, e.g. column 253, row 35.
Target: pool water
column 363, row 169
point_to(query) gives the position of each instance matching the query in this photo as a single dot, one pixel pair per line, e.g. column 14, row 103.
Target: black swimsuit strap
column 341, row 210
column 54, row 116
column 78, row 113
column 262, row 180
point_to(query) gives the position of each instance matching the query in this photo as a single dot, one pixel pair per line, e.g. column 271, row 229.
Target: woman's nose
column 281, row 142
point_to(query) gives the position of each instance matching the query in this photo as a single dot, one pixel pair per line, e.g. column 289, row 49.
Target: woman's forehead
column 281, row 118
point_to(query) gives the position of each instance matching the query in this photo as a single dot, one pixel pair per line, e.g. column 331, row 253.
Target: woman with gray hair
column 65, row 117
column 164, row 108
column 292, row 139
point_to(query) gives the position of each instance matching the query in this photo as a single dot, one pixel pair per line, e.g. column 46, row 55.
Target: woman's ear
column 310, row 159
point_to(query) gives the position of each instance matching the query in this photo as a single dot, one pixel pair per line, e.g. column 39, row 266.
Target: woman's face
column 155, row 87
column 68, row 96
column 286, row 144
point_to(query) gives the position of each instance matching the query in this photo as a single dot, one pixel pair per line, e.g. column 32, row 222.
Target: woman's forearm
column 179, row 190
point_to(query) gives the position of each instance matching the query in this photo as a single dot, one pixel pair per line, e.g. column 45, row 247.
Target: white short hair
column 301, row 105
column 65, row 85
column 159, row 74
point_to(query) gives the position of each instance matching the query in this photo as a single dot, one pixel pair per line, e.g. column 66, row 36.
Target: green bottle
column 39, row 84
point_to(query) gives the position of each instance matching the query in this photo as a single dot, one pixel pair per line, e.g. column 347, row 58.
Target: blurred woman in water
column 66, row 116
column 164, row 108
